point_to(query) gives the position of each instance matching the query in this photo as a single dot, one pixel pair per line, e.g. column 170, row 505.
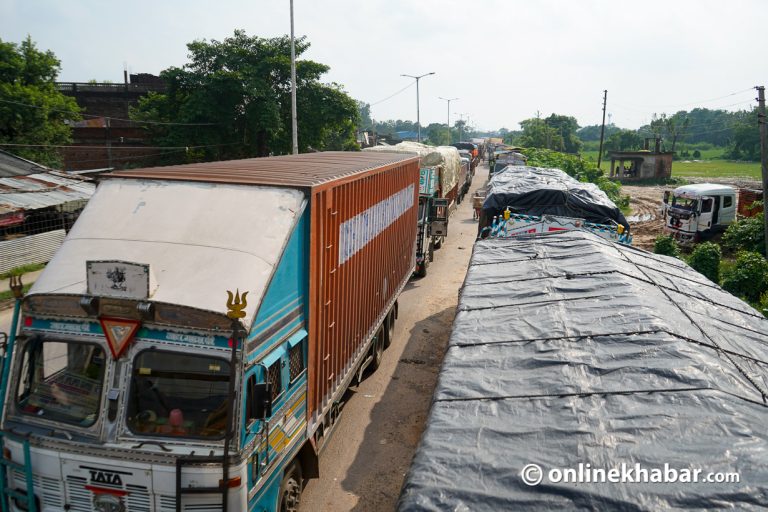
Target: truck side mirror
column 261, row 401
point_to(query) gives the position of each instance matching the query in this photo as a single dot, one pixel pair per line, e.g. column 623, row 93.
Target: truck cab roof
column 703, row 189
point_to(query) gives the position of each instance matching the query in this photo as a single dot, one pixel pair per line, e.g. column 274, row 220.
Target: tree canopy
column 556, row 132
column 233, row 98
column 32, row 111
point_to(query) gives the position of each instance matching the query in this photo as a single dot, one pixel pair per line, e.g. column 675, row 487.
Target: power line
column 94, row 116
column 393, row 95
column 691, row 103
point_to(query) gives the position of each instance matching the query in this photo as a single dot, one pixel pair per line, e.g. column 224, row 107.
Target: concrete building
column 628, row 166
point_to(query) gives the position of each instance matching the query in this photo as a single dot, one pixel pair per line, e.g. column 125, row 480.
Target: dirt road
column 645, row 220
column 364, row 464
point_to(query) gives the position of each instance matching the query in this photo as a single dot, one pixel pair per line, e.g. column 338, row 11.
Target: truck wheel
column 290, row 489
column 378, row 350
column 390, row 333
column 437, row 242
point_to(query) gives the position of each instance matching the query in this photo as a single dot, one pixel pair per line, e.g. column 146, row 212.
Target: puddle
column 644, row 217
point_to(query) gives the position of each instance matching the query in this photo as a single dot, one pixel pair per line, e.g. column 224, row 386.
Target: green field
column 702, row 168
column 716, row 169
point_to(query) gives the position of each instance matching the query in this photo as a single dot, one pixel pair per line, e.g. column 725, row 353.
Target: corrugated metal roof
column 305, row 170
column 41, row 191
column 12, row 165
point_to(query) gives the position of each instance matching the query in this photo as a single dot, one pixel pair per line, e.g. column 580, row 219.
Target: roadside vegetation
column 583, row 169
column 737, row 263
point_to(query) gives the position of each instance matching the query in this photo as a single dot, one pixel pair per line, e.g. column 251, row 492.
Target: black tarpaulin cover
column 539, row 191
column 569, row 349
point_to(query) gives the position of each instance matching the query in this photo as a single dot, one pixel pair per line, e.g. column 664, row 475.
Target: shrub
column 749, row 276
column 696, row 153
column 746, row 235
column 706, row 259
column 666, row 245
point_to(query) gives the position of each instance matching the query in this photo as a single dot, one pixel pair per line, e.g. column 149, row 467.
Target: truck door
column 727, row 210
column 706, row 213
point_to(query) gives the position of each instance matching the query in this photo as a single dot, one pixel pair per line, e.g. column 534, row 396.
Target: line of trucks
column 178, row 358
column 173, row 357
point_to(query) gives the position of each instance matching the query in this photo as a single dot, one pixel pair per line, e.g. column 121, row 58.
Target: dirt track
column 645, row 220
column 363, row 466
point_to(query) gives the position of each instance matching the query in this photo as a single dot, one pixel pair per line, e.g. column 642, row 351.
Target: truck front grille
column 80, row 499
column 47, row 489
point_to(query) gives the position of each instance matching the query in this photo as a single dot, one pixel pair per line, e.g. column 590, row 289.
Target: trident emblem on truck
column 237, row 305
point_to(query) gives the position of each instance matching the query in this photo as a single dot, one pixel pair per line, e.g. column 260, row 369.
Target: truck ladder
column 197, row 459
column 6, row 493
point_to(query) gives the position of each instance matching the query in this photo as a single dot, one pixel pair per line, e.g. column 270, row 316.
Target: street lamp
column 418, row 121
column 461, row 127
column 449, row 100
column 294, row 123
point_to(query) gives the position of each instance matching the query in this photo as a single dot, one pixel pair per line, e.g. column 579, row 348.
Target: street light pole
column 418, row 120
column 449, row 100
column 294, row 123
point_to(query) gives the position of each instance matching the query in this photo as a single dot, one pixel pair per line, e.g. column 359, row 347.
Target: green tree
column 745, row 144
column 706, row 259
column 32, row 111
column 438, row 134
column 623, row 140
column 566, row 127
column 749, row 276
column 234, row 97
column 666, row 245
column 537, row 134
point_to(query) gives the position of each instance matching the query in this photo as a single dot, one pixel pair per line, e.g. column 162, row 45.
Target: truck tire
column 290, row 489
column 437, row 242
column 389, row 333
column 378, row 350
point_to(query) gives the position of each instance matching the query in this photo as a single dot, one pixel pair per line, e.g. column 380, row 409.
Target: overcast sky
column 504, row 59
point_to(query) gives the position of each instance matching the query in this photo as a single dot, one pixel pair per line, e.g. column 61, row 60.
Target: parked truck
column 586, row 375
column 697, row 211
column 442, row 187
column 188, row 347
column 521, row 200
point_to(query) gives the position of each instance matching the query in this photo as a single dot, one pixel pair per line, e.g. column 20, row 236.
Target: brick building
column 109, row 140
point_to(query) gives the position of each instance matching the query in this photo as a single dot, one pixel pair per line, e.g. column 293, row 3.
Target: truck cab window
column 706, row 205
column 178, row 395
column 296, row 356
column 61, row 381
column 274, row 379
column 727, row 201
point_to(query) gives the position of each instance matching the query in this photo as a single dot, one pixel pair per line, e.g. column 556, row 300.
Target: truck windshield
column 178, row 395
column 61, row 381
column 684, row 203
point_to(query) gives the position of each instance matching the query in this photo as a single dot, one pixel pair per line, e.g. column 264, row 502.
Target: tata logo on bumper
column 105, row 477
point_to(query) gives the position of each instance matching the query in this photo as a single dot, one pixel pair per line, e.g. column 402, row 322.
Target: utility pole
column 761, row 120
column 449, row 100
column 294, row 122
column 602, row 131
column 109, row 144
column 418, row 121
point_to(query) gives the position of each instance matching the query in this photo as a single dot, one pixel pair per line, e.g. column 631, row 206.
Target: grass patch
column 717, row 169
column 8, row 294
column 22, row 270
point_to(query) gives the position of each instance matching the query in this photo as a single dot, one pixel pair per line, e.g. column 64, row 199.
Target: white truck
column 693, row 212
